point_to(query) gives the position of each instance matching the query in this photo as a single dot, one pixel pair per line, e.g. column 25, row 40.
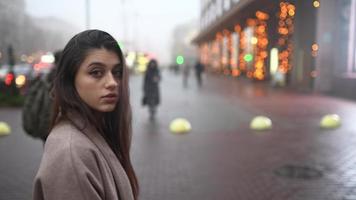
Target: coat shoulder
column 65, row 140
column 69, row 157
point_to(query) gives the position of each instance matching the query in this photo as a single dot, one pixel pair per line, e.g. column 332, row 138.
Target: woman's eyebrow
column 102, row 64
column 118, row 65
column 97, row 64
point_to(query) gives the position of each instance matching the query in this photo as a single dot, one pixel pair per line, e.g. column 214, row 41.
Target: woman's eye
column 117, row 73
column 96, row 73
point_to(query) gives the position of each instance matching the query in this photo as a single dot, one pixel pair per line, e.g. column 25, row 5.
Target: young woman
column 87, row 153
column 151, row 87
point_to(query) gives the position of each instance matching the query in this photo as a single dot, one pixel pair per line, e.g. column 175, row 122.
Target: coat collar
column 122, row 182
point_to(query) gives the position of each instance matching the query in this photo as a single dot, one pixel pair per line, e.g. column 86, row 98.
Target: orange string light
column 285, row 29
column 260, row 49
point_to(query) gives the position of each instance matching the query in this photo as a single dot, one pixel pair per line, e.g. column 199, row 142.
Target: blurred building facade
column 305, row 44
column 181, row 46
column 28, row 35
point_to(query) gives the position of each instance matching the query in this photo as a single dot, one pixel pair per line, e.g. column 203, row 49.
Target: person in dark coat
column 199, row 68
column 186, row 72
column 151, row 87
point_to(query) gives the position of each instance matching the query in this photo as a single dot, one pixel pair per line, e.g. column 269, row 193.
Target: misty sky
column 146, row 25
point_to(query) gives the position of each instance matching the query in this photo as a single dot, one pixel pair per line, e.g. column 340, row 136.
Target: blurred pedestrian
column 151, row 96
column 36, row 113
column 186, row 72
column 176, row 68
column 87, row 153
column 199, row 69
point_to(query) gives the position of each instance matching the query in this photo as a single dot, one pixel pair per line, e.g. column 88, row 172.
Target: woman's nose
column 111, row 82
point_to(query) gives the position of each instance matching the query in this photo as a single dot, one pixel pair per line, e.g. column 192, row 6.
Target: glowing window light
column 274, row 61
column 316, row 4
column 248, row 57
column 254, row 40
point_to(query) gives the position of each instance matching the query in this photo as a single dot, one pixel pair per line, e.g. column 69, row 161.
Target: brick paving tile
column 221, row 158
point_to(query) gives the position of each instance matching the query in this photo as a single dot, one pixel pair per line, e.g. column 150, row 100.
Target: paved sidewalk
column 221, row 158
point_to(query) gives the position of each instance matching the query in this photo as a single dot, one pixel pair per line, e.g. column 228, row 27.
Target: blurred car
column 22, row 75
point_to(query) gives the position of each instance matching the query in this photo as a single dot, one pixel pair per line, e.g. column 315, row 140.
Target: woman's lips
column 110, row 98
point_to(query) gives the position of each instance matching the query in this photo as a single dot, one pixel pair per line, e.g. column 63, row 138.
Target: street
column 220, row 158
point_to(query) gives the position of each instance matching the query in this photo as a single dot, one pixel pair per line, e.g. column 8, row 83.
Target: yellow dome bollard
column 4, row 129
column 261, row 123
column 330, row 121
column 180, row 125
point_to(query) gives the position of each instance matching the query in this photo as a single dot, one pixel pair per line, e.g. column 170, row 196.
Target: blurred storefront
column 306, row 44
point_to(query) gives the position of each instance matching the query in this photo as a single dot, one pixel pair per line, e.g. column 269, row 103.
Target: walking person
column 199, row 68
column 87, row 153
column 186, row 72
column 151, row 96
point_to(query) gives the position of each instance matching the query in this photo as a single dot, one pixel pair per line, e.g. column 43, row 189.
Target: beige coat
column 79, row 165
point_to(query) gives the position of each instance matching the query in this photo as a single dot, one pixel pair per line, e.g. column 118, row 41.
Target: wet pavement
column 221, row 158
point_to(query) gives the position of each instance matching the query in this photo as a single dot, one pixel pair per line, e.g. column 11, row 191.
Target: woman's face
column 98, row 78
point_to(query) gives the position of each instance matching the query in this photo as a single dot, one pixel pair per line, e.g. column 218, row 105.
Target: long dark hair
column 116, row 125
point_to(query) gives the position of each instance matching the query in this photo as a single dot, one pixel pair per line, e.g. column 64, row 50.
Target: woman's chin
column 106, row 108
